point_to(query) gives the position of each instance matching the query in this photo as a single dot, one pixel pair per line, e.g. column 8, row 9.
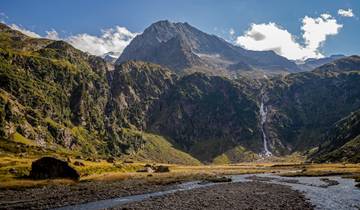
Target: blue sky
column 72, row 17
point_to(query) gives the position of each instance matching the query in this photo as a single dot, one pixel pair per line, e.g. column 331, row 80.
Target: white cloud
column 3, row 16
column 232, row 32
column 346, row 13
column 52, row 34
column 315, row 30
column 112, row 40
column 270, row 36
column 24, row 31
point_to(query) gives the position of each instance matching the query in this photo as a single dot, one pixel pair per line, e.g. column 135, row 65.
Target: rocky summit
column 169, row 98
column 185, row 49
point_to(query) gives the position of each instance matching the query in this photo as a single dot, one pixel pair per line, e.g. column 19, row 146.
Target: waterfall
column 263, row 115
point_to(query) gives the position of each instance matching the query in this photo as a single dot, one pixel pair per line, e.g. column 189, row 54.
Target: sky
column 296, row 29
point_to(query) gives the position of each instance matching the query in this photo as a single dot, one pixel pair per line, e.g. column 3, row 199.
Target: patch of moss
column 157, row 149
column 235, row 155
column 17, row 137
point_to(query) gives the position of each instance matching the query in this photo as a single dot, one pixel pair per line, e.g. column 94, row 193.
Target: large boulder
column 162, row 169
column 51, row 168
column 111, row 160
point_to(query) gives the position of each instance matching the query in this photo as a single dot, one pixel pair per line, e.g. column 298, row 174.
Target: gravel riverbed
column 247, row 195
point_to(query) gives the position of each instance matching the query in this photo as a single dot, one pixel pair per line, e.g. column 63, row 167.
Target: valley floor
column 102, row 180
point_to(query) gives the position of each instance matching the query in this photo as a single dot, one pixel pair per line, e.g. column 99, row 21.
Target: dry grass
column 103, row 171
column 26, row 183
column 326, row 169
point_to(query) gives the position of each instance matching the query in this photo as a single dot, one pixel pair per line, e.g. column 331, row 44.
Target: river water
column 344, row 196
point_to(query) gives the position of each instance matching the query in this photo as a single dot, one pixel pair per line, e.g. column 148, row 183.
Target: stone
column 110, row 160
column 12, row 171
column 162, row 169
column 52, row 168
column 78, row 163
column 92, row 159
column 147, row 169
column 218, row 179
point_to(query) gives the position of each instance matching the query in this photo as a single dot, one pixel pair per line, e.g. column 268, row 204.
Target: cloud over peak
column 270, row 36
column 346, row 12
column 112, row 40
column 24, row 31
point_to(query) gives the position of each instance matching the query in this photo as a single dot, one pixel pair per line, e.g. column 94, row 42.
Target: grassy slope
column 237, row 154
column 342, row 142
column 158, row 149
column 349, row 152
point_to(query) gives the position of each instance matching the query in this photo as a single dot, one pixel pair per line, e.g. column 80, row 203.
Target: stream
column 343, row 196
column 263, row 115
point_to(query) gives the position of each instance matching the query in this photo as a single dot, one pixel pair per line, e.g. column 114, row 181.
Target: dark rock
column 329, row 182
column 128, row 161
column 51, row 168
column 78, row 163
column 110, row 160
column 162, row 169
column 218, row 179
column 12, row 171
column 92, row 159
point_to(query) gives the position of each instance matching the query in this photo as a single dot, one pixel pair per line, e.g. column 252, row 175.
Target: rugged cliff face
column 47, row 86
column 54, row 97
column 207, row 116
column 303, row 106
column 134, row 87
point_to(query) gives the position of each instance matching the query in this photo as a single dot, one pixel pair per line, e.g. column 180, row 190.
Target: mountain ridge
column 55, row 98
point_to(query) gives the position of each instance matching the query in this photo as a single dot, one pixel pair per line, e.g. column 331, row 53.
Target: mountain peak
column 161, row 23
column 181, row 46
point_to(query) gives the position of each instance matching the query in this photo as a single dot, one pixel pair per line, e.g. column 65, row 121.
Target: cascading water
column 263, row 115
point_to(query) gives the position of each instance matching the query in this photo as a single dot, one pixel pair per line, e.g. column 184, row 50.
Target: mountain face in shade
column 180, row 47
column 341, row 142
column 346, row 64
column 313, row 63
